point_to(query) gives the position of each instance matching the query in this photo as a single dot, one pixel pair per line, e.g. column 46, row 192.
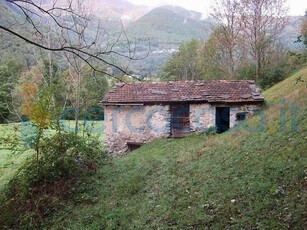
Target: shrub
column 43, row 182
column 211, row 130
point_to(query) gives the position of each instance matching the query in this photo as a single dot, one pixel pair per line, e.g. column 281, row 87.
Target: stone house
column 137, row 113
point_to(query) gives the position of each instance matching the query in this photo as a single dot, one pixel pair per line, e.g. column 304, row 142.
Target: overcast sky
column 297, row 7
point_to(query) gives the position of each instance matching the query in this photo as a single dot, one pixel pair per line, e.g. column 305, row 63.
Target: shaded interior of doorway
column 222, row 119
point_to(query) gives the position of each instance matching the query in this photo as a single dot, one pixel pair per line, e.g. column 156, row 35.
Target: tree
column 185, row 64
column 9, row 74
column 262, row 23
column 302, row 56
column 303, row 37
column 249, row 30
column 62, row 17
column 4, row 92
column 218, row 61
column 81, row 96
column 228, row 34
column 84, row 92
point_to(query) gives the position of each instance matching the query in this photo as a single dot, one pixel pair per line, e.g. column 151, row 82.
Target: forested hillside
column 169, row 26
column 13, row 48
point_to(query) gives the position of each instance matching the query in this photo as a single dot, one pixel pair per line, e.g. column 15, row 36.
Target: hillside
column 165, row 27
column 12, row 47
column 170, row 25
column 247, row 178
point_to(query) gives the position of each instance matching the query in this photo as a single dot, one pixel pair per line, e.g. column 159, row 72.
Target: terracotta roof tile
column 210, row 91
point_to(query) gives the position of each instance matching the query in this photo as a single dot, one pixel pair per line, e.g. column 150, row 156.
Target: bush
column 43, row 183
column 66, row 156
column 211, row 130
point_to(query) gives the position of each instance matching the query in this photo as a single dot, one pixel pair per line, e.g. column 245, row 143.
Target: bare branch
column 77, row 26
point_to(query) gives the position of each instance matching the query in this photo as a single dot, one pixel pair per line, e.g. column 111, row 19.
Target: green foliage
column 50, row 72
column 197, row 61
column 94, row 87
column 84, row 92
column 303, row 38
column 213, row 58
column 40, row 186
column 211, row 130
column 185, row 64
column 9, row 74
column 4, row 92
column 302, row 56
column 274, row 72
column 63, row 156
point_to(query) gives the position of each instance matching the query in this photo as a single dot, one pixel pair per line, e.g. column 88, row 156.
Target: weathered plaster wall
column 248, row 109
column 202, row 116
column 138, row 124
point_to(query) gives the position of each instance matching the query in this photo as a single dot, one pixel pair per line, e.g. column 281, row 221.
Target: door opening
column 180, row 119
column 222, row 119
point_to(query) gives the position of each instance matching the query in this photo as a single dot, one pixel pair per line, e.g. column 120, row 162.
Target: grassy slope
column 240, row 179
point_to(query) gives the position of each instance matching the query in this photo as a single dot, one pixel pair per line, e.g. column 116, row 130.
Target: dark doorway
column 180, row 120
column 222, row 119
column 133, row 146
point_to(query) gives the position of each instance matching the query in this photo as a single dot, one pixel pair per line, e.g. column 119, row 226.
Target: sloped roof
column 180, row 91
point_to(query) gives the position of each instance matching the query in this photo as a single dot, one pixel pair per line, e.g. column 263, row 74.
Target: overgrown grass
column 247, row 178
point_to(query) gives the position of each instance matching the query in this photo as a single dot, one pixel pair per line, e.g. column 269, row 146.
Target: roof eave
column 187, row 101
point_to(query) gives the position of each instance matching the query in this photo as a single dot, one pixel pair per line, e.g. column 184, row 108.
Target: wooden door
column 180, row 119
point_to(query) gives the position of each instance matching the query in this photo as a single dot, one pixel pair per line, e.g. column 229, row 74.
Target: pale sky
column 296, row 7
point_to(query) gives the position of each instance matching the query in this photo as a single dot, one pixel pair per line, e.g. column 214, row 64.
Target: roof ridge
column 183, row 81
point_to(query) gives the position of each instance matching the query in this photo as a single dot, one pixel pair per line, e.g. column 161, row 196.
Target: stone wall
column 134, row 124
column 142, row 124
column 202, row 116
column 249, row 109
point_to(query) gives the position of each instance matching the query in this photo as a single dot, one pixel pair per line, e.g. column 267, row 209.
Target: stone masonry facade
column 136, row 124
column 143, row 124
column 137, row 113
